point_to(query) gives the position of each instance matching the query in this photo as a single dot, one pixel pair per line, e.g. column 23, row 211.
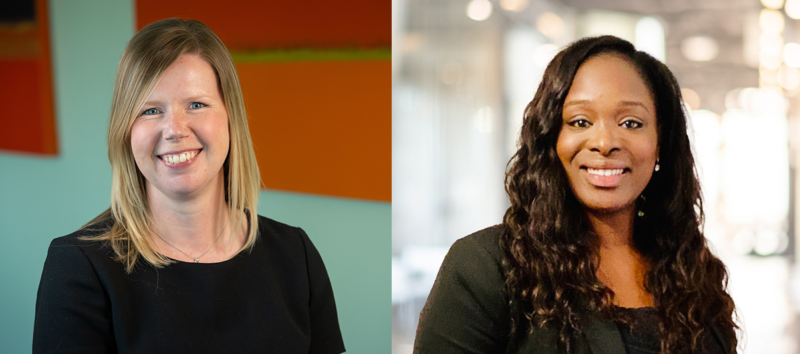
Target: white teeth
column 603, row 172
column 182, row 157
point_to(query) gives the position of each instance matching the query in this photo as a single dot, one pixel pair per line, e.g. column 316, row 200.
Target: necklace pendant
column 197, row 260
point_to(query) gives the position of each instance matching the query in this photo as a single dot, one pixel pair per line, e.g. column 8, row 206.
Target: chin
column 604, row 209
column 608, row 206
column 182, row 187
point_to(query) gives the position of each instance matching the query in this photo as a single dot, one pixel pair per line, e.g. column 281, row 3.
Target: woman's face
column 180, row 136
column 608, row 142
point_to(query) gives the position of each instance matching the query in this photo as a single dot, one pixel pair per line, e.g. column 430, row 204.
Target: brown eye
column 580, row 123
column 631, row 124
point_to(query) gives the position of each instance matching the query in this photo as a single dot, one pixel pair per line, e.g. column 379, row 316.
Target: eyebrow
column 621, row 103
column 188, row 99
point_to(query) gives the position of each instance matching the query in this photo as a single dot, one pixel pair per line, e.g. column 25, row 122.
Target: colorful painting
column 26, row 94
column 316, row 78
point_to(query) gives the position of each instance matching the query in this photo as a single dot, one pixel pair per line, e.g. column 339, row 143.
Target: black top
column 467, row 310
column 642, row 337
column 275, row 299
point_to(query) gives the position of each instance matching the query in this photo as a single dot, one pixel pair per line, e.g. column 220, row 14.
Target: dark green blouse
column 467, row 310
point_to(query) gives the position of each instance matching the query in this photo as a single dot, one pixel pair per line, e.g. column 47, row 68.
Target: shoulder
column 478, row 260
column 74, row 257
column 479, row 251
column 484, row 241
column 467, row 307
column 288, row 243
column 473, row 269
column 277, row 235
column 291, row 249
column 73, row 265
column 77, row 244
column 274, row 228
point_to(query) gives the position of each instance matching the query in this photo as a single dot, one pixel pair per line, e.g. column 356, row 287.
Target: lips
column 179, row 158
column 605, row 177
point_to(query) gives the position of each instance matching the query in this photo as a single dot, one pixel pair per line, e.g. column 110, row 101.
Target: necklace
column 196, row 259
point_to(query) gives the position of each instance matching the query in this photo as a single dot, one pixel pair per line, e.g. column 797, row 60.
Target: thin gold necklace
column 196, row 259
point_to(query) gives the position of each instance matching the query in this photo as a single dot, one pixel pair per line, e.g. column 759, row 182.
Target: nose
column 175, row 125
column 603, row 138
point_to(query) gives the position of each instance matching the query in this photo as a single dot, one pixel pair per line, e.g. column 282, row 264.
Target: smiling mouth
column 605, row 177
column 174, row 159
column 605, row 172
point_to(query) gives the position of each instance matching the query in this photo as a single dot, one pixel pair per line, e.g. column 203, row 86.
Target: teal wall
column 43, row 198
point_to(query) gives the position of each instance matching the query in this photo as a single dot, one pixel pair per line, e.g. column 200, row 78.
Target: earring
column 640, row 213
column 658, row 167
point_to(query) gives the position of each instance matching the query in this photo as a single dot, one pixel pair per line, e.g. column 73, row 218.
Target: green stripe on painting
column 312, row 55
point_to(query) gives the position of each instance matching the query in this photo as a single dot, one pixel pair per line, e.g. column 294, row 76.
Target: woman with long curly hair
column 601, row 250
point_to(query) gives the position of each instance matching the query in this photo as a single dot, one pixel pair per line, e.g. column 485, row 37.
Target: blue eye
column 196, row 105
column 150, row 112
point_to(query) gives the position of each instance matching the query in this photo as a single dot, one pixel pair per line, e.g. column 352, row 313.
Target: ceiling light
column 700, row 48
column 772, row 4
column 550, row 25
column 771, row 21
column 479, row 10
column 514, row 5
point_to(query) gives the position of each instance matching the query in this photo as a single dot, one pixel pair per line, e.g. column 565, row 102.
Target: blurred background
column 315, row 77
column 463, row 71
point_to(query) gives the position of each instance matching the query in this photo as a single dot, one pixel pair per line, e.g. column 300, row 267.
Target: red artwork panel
column 26, row 93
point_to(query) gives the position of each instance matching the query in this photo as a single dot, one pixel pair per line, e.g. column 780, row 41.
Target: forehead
column 188, row 72
column 609, row 78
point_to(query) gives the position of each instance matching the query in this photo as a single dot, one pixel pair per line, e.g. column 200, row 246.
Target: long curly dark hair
column 551, row 248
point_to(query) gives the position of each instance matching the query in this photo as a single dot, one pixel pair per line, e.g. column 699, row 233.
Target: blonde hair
column 127, row 225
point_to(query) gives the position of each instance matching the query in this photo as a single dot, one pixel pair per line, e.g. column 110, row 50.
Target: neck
column 614, row 229
column 621, row 267
column 191, row 223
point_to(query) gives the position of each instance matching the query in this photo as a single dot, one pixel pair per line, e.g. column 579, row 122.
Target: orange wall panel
column 258, row 25
column 322, row 127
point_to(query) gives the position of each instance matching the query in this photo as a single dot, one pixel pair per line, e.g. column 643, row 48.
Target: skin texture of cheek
column 143, row 146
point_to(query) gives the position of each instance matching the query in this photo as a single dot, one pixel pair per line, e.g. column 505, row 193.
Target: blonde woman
column 181, row 262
